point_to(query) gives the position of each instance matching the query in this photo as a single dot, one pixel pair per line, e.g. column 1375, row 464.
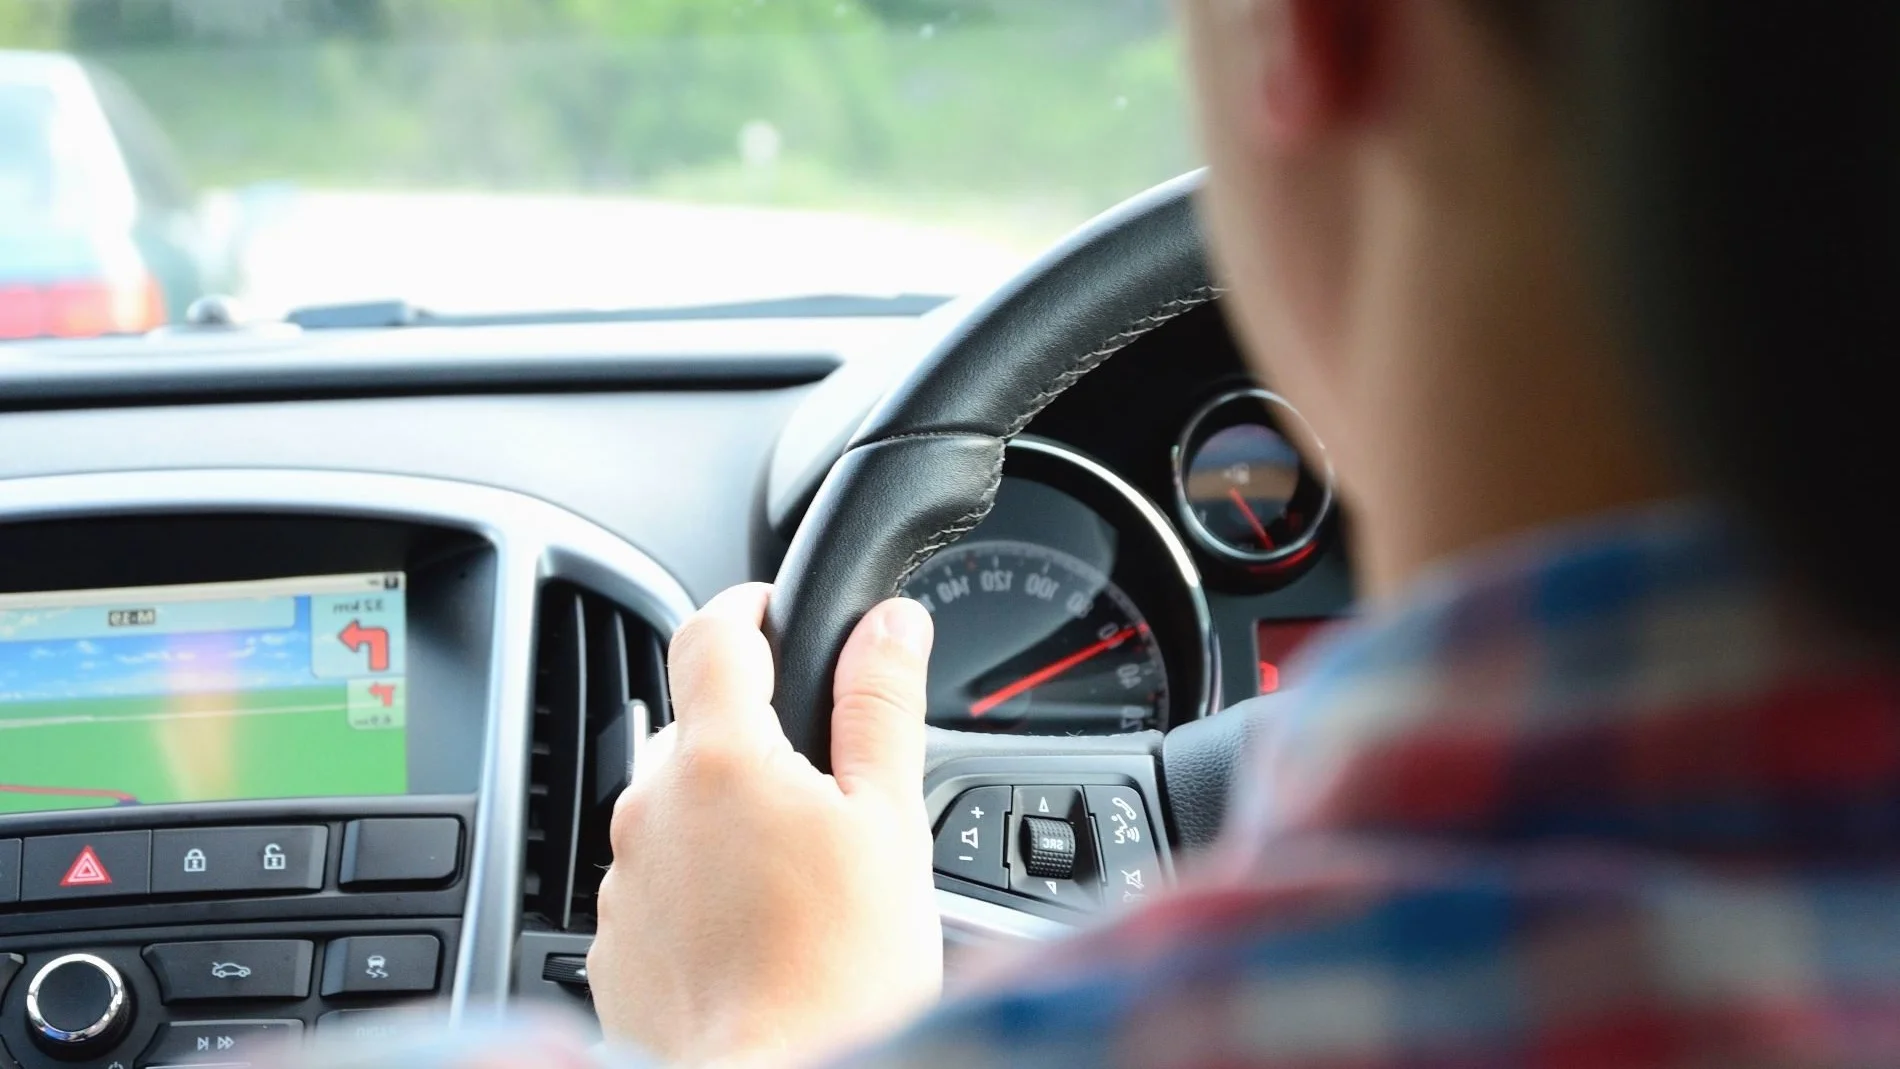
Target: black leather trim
column 1108, row 284
column 883, row 505
column 1199, row 760
column 924, row 468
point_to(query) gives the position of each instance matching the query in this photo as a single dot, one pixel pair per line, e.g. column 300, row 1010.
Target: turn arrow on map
column 356, row 636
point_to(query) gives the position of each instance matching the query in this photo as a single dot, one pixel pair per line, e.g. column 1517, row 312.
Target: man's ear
column 1321, row 62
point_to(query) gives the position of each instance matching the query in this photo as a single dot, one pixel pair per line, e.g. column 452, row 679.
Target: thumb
column 877, row 718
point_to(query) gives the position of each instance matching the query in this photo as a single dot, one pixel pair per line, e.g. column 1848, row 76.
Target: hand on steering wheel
column 759, row 910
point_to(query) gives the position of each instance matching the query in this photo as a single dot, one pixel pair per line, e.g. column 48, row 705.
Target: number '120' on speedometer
column 1031, row 639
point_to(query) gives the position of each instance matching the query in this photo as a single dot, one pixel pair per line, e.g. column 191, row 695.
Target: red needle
column 1247, row 511
column 1048, row 672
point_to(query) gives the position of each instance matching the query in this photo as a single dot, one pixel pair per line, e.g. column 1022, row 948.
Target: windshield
column 503, row 156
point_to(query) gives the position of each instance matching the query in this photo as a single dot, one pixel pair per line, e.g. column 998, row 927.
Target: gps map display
column 283, row 688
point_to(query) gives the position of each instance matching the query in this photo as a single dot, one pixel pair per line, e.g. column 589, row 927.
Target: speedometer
column 1030, row 638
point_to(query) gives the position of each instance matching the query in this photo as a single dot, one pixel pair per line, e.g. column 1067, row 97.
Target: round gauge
column 1030, row 638
column 1242, row 489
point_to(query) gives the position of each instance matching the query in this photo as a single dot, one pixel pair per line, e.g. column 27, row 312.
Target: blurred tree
column 32, row 24
column 1053, row 107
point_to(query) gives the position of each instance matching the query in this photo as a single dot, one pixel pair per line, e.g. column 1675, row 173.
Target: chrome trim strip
column 1210, row 696
column 115, row 1003
column 1205, row 537
column 967, row 919
column 534, row 540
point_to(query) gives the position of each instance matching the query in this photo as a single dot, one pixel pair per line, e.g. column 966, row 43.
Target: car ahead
column 99, row 232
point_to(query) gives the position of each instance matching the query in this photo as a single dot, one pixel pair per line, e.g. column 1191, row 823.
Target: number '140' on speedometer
column 1032, row 639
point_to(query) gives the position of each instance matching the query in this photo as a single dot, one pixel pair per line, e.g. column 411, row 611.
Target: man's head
column 1389, row 207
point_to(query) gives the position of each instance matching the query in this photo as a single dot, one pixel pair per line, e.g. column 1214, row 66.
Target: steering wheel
column 924, row 468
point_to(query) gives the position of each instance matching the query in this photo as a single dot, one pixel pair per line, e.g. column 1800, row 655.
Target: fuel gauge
column 1244, row 492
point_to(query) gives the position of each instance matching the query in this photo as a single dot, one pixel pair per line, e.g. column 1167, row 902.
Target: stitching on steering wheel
column 1083, row 364
column 959, row 527
column 1093, row 359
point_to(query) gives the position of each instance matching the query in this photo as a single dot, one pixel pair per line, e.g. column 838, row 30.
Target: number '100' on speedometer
column 1032, row 639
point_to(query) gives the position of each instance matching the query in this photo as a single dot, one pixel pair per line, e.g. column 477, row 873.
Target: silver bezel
column 1205, row 538
column 115, row 1005
column 1208, row 700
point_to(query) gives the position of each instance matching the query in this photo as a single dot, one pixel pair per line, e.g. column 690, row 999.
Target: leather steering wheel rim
column 924, row 468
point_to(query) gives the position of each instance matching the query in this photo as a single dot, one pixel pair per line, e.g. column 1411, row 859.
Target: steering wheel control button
column 108, row 865
column 1131, row 865
column 406, row 850
column 1057, row 803
column 1048, row 848
column 232, row 969
column 1042, row 806
column 373, row 964
column 77, row 1005
column 9, row 871
column 223, row 860
column 222, row 1043
column 970, row 839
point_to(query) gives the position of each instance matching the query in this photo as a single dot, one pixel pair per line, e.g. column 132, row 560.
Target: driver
column 1580, row 786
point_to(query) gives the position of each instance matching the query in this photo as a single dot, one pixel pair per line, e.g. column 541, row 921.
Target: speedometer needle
column 1048, row 672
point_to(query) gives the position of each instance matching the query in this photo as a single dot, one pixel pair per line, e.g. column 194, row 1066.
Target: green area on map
column 282, row 743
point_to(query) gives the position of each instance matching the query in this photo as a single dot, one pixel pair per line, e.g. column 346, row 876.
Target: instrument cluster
column 1081, row 605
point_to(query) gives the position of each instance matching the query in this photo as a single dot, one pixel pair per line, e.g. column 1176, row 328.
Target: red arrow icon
column 356, row 636
column 383, row 692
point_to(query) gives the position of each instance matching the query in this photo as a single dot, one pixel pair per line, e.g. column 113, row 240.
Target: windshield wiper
column 372, row 315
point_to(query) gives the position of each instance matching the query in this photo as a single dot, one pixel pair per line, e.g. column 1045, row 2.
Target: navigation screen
column 285, row 688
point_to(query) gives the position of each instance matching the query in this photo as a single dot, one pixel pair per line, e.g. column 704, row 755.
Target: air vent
column 599, row 678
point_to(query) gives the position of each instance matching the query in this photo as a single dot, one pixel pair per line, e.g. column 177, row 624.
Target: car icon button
column 232, row 969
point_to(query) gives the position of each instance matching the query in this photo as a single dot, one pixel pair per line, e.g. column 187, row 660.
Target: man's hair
column 1740, row 165
column 1523, row 24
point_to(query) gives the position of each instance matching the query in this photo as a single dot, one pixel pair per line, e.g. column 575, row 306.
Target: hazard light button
column 108, row 865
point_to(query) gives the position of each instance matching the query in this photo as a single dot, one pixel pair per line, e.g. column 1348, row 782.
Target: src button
column 1048, row 848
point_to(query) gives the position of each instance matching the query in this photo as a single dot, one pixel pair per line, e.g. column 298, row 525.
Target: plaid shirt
column 1599, row 799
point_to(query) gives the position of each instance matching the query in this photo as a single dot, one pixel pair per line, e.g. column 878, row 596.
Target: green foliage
column 31, row 24
column 1041, row 110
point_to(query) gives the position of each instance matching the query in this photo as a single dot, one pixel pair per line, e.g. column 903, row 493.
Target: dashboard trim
column 534, row 541
column 1208, row 701
column 973, row 920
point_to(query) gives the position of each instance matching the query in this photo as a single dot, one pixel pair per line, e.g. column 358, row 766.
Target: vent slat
column 592, row 660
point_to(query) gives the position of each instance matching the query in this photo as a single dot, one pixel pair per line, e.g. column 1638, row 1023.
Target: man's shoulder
column 1375, row 959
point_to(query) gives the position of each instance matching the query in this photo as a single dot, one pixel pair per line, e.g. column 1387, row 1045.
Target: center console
column 264, row 741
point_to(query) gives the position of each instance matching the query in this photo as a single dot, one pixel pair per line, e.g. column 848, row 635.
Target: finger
column 877, row 720
column 720, row 668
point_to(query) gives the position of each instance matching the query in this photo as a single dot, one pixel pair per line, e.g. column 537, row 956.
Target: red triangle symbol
column 86, row 871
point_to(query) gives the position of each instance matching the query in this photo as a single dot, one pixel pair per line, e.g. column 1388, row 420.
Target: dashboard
column 322, row 659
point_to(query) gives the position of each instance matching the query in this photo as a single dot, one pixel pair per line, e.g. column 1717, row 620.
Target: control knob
column 1048, row 848
column 77, row 1006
